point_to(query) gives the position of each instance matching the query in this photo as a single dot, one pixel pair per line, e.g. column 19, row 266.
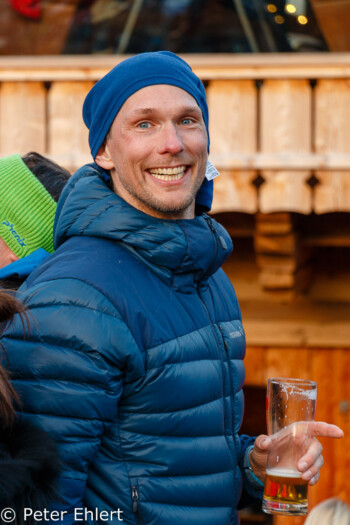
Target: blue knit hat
column 106, row 98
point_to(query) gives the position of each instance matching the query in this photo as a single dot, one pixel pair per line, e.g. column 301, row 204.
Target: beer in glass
column 290, row 405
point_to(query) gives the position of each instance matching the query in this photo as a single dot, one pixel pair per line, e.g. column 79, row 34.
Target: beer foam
column 297, row 391
column 310, row 394
column 283, row 472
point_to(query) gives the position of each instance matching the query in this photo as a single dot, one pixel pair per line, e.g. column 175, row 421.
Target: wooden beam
column 297, row 333
column 206, row 66
column 283, row 263
column 283, row 278
column 291, row 160
column 274, row 223
column 276, row 244
column 336, row 240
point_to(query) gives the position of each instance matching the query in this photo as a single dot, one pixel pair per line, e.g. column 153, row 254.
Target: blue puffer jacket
column 134, row 362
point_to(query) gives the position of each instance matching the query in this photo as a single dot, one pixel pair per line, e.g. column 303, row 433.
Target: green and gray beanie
column 27, row 210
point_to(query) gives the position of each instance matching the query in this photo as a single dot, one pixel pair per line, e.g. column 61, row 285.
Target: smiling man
column 156, row 151
column 135, row 360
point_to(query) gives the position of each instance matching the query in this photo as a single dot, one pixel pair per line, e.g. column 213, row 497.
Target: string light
column 290, row 8
column 302, row 20
column 279, row 19
column 271, row 8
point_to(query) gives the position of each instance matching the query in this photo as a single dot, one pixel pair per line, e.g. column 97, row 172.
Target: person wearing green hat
column 29, row 187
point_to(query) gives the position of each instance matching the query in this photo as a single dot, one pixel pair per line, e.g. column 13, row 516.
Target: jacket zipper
column 223, row 352
column 211, row 227
column 216, row 235
column 229, row 445
column 229, row 374
column 135, row 498
column 223, row 373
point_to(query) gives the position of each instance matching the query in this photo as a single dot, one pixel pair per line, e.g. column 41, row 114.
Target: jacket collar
column 183, row 252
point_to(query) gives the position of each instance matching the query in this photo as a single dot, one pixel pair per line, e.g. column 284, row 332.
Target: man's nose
column 170, row 140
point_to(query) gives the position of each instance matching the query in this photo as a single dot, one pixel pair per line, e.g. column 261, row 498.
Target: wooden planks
column 341, row 397
column 233, row 127
column 330, row 368
column 67, row 135
column 48, row 120
column 285, row 126
column 234, row 191
column 332, row 135
column 286, row 131
column 255, row 366
column 298, row 333
column 22, row 117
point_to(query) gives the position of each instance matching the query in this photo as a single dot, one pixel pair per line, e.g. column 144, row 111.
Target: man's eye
column 186, row 121
column 144, row 125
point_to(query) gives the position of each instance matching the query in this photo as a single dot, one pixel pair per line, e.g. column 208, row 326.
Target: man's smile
column 168, row 174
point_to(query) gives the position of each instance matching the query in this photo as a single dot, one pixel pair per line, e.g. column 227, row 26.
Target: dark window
column 182, row 26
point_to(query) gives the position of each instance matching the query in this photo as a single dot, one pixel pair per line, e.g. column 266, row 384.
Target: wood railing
column 279, row 124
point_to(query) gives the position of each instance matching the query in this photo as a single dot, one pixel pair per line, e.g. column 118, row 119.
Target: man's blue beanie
column 106, row 98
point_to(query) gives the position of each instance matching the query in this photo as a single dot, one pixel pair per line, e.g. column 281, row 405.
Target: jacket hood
column 88, row 207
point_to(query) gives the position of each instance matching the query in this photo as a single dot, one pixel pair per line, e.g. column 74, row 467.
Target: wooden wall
column 277, row 123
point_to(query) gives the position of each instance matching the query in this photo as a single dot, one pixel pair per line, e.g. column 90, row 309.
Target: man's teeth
column 168, row 173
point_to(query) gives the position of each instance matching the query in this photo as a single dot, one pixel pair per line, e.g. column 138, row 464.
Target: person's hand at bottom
column 309, row 465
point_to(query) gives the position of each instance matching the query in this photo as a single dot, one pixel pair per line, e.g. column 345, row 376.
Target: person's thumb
column 262, row 443
column 258, row 455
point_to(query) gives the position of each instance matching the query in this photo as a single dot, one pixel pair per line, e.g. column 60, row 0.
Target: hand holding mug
column 290, row 458
column 309, row 465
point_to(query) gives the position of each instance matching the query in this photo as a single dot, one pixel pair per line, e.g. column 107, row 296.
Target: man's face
column 156, row 151
column 6, row 255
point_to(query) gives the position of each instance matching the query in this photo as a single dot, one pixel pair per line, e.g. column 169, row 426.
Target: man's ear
column 6, row 254
column 12, row 256
column 103, row 157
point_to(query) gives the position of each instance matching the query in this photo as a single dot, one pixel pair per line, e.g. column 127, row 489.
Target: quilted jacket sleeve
column 252, row 486
column 68, row 369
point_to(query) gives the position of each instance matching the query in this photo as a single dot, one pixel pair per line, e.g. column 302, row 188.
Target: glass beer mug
column 290, row 405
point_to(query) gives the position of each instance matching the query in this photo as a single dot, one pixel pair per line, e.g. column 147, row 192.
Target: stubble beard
column 151, row 202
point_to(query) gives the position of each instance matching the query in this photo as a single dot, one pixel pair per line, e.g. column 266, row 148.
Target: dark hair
column 9, row 306
column 52, row 176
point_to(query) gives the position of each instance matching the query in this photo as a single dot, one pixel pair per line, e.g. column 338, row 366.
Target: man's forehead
column 150, row 99
column 151, row 110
